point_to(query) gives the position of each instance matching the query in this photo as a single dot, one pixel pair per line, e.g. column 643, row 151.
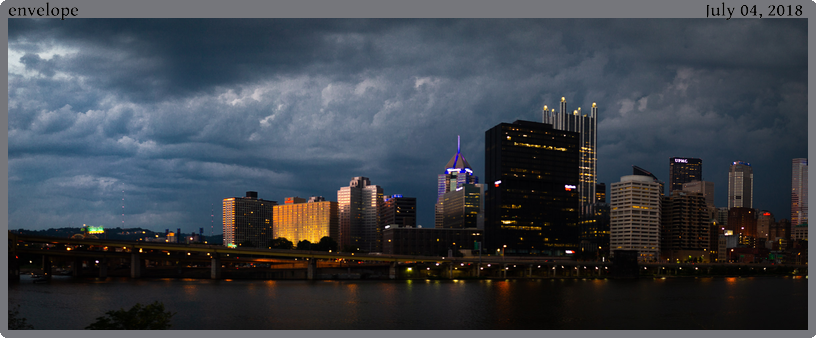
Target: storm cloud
column 173, row 115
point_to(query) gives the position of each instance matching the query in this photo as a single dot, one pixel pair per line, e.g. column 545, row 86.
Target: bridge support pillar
column 215, row 267
column 14, row 267
column 504, row 270
column 76, row 266
column 311, row 266
column 46, row 267
column 392, row 270
column 530, row 271
column 135, row 266
column 103, row 268
column 577, row 271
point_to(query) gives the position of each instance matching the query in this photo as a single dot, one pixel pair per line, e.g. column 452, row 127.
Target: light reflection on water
column 672, row 303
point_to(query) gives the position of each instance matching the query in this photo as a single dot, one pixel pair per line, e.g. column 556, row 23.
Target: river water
column 748, row 303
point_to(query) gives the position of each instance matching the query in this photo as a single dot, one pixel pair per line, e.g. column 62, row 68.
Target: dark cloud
column 182, row 113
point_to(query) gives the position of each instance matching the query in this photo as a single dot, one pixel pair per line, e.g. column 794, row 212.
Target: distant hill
column 128, row 234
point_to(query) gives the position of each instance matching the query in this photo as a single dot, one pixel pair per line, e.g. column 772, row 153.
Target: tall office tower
column 685, row 228
column 684, row 170
column 742, row 222
column 600, row 193
column 532, row 206
column 359, row 207
column 643, row 172
column 722, row 217
column 740, row 185
column 399, row 210
column 799, row 192
column 635, row 216
column 248, row 221
column 464, row 207
column 703, row 187
column 764, row 220
column 780, row 230
column 587, row 128
column 457, row 173
column 707, row 189
column 595, row 225
column 298, row 220
column 595, row 229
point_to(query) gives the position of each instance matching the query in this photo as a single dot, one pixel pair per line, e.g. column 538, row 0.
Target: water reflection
column 672, row 303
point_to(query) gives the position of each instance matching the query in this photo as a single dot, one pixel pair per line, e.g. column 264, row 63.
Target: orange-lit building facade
column 297, row 220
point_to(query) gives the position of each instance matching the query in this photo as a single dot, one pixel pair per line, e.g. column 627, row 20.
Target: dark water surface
column 558, row 304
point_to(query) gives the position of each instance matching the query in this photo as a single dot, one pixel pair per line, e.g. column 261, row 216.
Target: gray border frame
column 397, row 9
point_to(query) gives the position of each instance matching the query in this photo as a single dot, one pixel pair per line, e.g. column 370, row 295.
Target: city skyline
column 299, row 107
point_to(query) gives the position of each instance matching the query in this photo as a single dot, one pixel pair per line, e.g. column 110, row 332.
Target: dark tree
column 304, row 245
column 150, row 317
column 327, row 244
column 15, row 322
column 281, row 243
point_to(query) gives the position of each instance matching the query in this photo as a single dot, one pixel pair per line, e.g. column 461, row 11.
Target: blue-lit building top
column 457, row 172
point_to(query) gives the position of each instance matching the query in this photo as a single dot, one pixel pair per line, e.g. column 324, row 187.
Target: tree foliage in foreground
column 281, row 243
column 150, row 317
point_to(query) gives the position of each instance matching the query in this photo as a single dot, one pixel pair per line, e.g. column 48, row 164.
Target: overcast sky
column 180, row 114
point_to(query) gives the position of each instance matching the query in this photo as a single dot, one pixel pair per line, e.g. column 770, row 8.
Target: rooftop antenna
column 123, row 205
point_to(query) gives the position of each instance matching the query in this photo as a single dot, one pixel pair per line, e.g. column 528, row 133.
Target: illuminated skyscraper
column 457, row 173
column 532, row 203
column 359, row 207
column 399, row 210
column 685, row 227
column 635, row 216
column 740, row 185
column 587, row 127
column 248, row 221
column 297, row 220
column 643, row 172
column 799, row 192
column 464, row 207
column 684, row 170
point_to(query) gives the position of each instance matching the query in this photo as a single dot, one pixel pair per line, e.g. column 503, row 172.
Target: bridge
column 141, row 257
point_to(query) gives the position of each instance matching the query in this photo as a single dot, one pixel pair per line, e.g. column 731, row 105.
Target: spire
column 458, row 161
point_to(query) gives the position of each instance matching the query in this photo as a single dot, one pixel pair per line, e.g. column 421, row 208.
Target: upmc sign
column 680, row 160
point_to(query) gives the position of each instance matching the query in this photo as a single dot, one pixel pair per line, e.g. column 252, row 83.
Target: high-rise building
column 685, row 228
column 399, row 210
column 742, row 222
column 595, row 229
column 722, row 217
column 463, row 207
column 635, row 216
column 703, row 187
column 457, row 172
column 764, row 220
column 643, row 172
column 600, row 193
column 684, row 170
column 532, row 203
column 799, row 192
column 359, row 208
column 587, row 128
column 299, row 220
column 740, row 185
column 248, row 221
